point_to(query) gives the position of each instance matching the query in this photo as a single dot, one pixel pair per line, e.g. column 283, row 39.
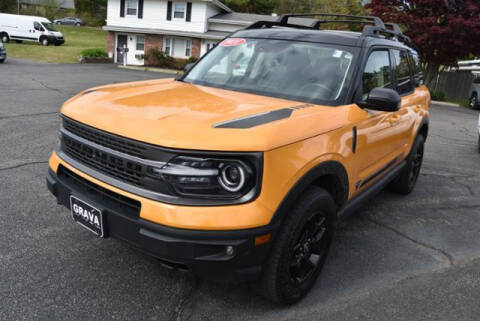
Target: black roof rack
column 374, row 26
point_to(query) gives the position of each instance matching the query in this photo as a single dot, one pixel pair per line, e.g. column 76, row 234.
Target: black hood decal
column 256, row 120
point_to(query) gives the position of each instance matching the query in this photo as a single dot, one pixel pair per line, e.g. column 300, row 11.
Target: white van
column 29, row 28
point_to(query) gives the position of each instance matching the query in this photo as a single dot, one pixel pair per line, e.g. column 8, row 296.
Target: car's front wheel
column 300, row 248
column 2, row 61
column 44, row 41
column 473, row 101
column 78, row 24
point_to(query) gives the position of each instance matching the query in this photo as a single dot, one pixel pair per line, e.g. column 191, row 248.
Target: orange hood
column 174, row 114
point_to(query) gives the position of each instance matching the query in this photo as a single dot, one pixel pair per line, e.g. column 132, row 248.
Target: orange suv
column 241, row 168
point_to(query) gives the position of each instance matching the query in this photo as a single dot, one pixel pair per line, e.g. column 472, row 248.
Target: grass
column 461, row 102
column 76, row 40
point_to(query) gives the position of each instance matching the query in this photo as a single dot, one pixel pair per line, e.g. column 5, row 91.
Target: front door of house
column 121, row 44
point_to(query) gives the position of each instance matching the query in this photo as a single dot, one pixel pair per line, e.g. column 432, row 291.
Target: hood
column 175, row 114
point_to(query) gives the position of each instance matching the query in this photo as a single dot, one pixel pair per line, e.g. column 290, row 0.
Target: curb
column 159, row 70
column 442, row 103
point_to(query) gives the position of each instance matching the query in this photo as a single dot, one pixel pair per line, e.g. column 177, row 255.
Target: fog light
column 229, row 250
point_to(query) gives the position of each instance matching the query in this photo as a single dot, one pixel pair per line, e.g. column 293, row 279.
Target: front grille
column 104, row 139
column 116, row 167
column 114, row 200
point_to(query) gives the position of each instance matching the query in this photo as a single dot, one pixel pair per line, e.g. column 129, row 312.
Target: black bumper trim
column 202, row 252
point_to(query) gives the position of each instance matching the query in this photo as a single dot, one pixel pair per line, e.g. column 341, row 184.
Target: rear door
column 412, row 102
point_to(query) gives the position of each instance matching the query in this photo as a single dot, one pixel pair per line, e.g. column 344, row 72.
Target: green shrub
column 157, row 58
column 438, row 95
column 94, row 53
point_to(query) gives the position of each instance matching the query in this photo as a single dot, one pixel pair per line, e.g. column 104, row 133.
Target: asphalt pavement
column 398, row 258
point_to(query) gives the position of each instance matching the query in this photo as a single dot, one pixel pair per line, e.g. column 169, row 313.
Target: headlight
column 227, row 178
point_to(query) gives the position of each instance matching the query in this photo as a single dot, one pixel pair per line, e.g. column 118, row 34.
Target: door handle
column 394, row 119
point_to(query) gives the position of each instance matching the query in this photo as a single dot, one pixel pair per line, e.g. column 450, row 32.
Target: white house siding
column 155, row 17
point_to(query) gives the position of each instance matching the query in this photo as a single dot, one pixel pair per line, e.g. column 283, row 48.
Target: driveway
column 398, row 258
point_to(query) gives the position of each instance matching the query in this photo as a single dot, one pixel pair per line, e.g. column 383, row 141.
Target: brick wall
column 110, row 43
column 196, row 47
column 153, row 42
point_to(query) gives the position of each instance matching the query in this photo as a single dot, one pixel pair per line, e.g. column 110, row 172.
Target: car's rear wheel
column 5, row 38
column 18, row 41
column 2, row 61
column 473, row 101
column 406, row 181
column 300, row 248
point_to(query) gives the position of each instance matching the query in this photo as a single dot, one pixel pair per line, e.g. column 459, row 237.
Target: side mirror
column 188, row 67
column 383, row 99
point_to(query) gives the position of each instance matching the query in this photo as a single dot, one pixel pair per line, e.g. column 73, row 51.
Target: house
column 182, row 29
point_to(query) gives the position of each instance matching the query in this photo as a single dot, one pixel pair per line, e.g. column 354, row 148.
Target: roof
column 213, row 35
column 219, row 4
column 338, row 37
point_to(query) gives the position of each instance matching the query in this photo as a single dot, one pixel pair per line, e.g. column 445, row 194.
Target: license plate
column 87, row 216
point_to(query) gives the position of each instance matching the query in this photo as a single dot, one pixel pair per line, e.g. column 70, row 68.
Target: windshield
column 302, row 71
column 49, row 26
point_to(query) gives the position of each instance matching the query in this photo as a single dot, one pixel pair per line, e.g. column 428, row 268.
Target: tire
column 44, row 41
column 2, row 61
column 406, row 181
column 18, row 41
column 78, row 24
column 289, row 273
column 473, row 101
column 5, row 38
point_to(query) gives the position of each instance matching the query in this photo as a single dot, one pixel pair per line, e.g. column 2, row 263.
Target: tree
column 444, row 30
column 252, row 6
column 9, row 6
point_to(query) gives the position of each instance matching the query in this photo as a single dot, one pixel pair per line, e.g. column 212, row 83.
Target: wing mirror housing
column 383, row 99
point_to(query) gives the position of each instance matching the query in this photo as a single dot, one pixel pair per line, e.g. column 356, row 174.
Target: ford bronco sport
column 241, row 168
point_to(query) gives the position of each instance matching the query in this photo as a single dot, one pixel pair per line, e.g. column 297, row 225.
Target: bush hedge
column 157, row 58
column 93, row 53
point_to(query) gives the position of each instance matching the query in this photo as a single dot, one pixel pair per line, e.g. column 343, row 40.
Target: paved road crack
column 185, row 301
column 23, row 165
column 447, row 257
column 468, row 187
column 28, row 115
column 47, row 87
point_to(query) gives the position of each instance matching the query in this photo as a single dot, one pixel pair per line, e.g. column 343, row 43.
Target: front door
column 121, row 45
column 376, row 150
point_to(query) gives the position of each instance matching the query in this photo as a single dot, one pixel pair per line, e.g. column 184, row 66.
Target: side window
column 38, row 26
column 377, row 72
column 417, row 68
column 402, row 70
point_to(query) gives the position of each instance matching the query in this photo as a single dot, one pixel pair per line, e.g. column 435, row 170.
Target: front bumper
column 202, row 252
column 56, row 40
